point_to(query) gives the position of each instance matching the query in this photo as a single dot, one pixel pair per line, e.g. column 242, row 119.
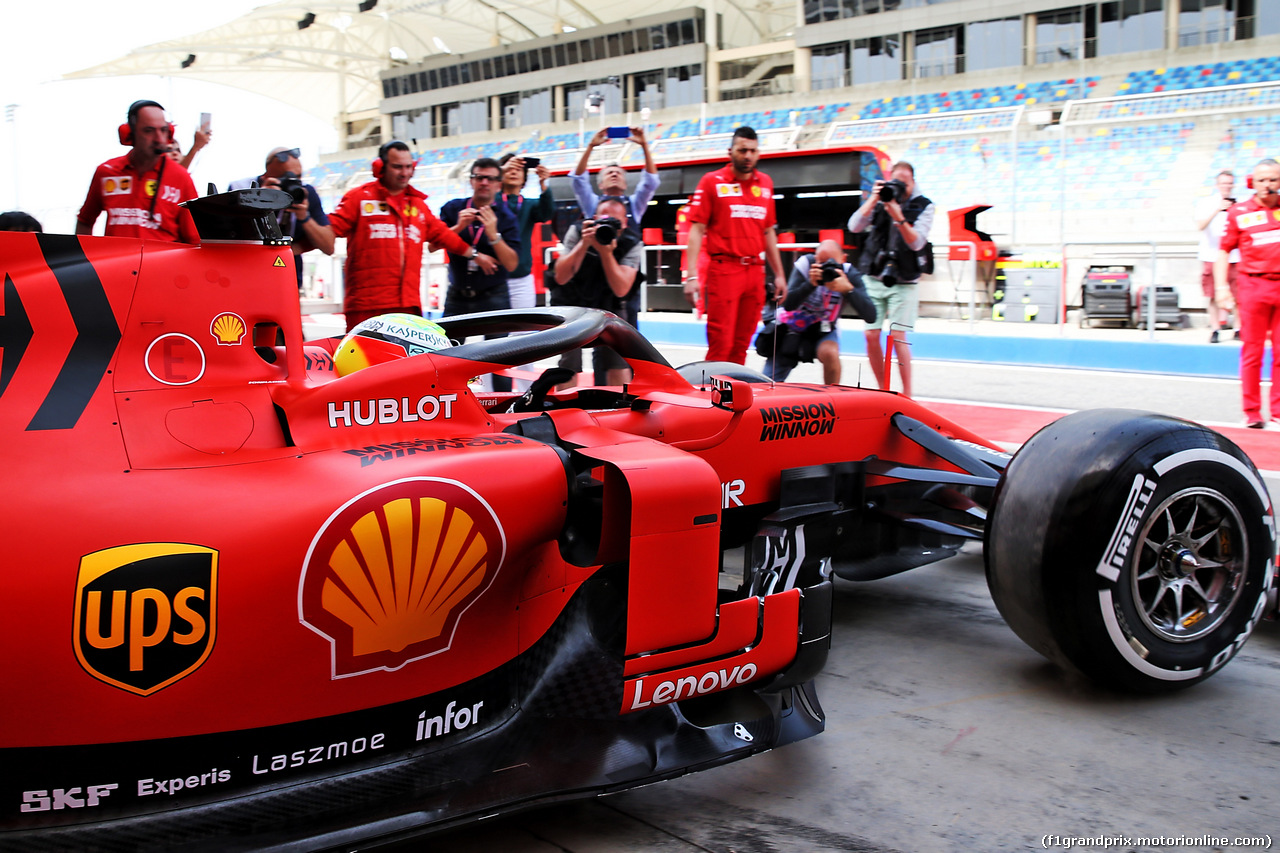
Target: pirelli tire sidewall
column 1069, row 499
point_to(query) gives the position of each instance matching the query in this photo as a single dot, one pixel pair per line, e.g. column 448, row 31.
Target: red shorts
column 1206, row 281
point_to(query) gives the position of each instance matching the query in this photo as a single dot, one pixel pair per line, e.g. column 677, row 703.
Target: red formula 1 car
column 251, row 604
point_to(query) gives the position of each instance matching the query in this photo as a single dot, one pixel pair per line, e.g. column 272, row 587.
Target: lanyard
column 475, row 229
column 519, row 201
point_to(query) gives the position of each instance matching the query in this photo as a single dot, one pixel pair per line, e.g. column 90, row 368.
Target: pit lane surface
column 944, row 731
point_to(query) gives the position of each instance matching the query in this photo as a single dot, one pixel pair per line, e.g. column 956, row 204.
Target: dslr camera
column 885, row 268
column 607, row 228
column 831, row 269
column 291, row 183
column 894, row 190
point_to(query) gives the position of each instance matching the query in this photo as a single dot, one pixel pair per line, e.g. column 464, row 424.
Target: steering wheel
column 535, row 399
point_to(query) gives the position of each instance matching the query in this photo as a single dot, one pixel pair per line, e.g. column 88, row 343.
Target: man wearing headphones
column 141, row 190
column 305, row 221
column 386, row 222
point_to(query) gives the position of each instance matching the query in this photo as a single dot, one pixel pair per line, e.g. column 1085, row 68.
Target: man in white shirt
column 1211, row 222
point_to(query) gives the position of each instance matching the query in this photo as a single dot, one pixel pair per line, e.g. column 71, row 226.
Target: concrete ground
column 944, row 731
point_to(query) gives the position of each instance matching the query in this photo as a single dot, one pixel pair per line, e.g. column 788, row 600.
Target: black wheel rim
column 1189, row 572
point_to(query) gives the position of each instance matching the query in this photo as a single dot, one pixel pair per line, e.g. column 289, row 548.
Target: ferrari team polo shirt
column 131, row 203
column 735, row 212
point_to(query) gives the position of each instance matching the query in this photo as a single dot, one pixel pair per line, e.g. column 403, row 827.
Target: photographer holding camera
column 599, row 268
column 305, row 220
column 897, row 218
column 805, row 327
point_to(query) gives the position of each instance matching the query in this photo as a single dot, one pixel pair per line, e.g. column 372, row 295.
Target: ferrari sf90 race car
column 269, row 594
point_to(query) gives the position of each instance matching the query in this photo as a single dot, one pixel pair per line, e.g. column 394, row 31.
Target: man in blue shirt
column 612, row 180
column 305, row 221
column 480, row 283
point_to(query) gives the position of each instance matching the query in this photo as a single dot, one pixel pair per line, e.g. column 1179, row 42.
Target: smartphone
column 618, row 132
column 531, row 162
column 206, row 122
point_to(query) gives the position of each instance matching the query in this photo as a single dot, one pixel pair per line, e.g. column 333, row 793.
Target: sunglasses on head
column 284, row 156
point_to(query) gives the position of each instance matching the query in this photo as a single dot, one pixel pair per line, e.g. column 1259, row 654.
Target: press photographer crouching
column 897, row 219
column 599, row 269
column 805, row 326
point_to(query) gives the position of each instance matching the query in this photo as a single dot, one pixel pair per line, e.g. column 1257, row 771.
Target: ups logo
column 146, row 614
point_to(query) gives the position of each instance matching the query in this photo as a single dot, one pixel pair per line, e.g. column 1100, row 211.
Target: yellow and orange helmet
column 385, row 338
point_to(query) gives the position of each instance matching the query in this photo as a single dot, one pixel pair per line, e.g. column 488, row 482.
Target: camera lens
column 292, row 184
column 607, row 229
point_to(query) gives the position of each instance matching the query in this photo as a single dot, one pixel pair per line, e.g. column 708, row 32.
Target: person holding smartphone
column 1211, row 222
column 141, row 192
column 612, row 179
column 611, row 182
column 528, row 213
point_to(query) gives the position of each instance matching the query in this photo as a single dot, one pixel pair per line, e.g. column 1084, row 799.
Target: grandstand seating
column 759, row 119
column 1248, row 139
column 1107, row 168
column 1122, row 157
column 1018, row 94
column 1259, row 70
column 1179, row 102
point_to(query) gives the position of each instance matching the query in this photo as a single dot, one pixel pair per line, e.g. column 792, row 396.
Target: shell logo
column 391, row 573
column 117, row 186
column 227, row 329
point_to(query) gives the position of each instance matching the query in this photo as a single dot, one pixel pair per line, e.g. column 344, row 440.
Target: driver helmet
column 385, row 338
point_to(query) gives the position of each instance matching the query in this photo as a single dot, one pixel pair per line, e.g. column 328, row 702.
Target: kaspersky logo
column 391, row 572
column 146, row 614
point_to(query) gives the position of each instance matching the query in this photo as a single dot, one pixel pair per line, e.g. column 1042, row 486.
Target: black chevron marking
column 15, row 333
column 97, row 333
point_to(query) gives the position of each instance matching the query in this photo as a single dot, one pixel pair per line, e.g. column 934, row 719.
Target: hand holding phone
column 618, row 132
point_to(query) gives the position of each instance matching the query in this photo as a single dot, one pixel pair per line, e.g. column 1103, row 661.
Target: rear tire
column 1134, row 548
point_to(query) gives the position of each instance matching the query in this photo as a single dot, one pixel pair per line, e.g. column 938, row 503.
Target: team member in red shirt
column 141, row 191
column 386, row 222
column 1253, row 226
column 733, row 208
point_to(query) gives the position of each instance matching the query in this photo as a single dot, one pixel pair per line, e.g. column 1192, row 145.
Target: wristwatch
column 472, row 256
column 899, row 222
column 497, row 239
